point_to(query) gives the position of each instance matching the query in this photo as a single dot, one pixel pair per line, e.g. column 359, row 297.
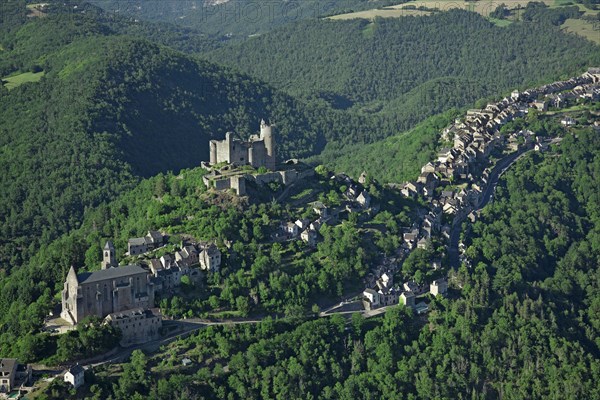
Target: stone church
column 258, row 152
column 110, row 290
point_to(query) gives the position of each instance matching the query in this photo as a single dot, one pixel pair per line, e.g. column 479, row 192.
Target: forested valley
column 104, row 120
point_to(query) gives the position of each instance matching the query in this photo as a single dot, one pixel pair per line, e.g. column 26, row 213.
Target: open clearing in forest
column 385, row 13
column 17, row 80
column 583, row 28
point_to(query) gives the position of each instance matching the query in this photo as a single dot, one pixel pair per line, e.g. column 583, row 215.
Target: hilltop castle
column 258, row 152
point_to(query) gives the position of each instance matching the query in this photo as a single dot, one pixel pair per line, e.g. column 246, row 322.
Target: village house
column 309, row 237
column 210, row 257
column 154, row 239
column 187, row 256
column 423, row 243
column 372, row 298
column 75, row 376
column 136, row 325
column 136, row 246
column 155, row 265
column 421, row 308
column 389, row 297
column 540, row 105
column 408, row 299
column 411, row 286
column 364, row 199
column 568, row 121
column 302, row 223
column 320, row 209
column 167, row 261
column 429, row 167
column 410, row 190
column 13, row 374
column 362, row 179
column 438, row 287
column 290, row 229
column 141, row 245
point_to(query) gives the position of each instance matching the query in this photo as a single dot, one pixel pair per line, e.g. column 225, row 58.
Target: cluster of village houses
column 357, row 199
column 171, row 267
column 124, row 295
column 16, row 377
column 473, row 140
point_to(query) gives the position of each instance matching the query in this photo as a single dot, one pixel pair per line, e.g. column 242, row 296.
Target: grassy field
column 583, row 28
column 500, row 22
column 17, row 80
column 385, row 13
column 484, row 7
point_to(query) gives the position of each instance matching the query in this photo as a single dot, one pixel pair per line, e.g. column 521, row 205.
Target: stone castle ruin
column 258, row 151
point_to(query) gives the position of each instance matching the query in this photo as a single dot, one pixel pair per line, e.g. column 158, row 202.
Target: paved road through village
column 501, row 167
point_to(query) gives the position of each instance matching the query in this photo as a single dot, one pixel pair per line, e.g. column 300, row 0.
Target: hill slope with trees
column 521, row 322
column 110, row 109
column 234, row 19
column 412, row 67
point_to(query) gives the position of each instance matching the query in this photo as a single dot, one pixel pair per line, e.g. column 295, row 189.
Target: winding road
column 499, row 169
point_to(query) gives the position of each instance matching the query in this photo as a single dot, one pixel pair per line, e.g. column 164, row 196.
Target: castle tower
column 213, row 152
column 109, row 258
column 266, row 133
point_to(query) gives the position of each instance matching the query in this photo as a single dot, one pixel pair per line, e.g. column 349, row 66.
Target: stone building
column 210, row 257
column 152, row 241
column 136, row 326
column 13, row 375
column 439, row 287
column 258, row 152
column 106, row 291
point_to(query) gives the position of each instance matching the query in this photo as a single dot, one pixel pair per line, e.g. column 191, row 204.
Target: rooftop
column 76, row 369
column 110, row 273
column 137, row 241
column 7, row 364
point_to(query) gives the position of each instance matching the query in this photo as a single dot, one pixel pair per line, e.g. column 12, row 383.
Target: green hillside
column 106, row 109
column 522, row 322
column 234, row 19
column 393, row 60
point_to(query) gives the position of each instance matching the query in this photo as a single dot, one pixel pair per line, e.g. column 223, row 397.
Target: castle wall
column 213, row 152
column 239, row 184
column 222, row 184
column 257, row 154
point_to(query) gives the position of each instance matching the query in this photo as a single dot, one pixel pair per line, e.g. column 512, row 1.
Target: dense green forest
column 235, row 19
column 521, row 322
column 386, row 59
column 398, row 158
